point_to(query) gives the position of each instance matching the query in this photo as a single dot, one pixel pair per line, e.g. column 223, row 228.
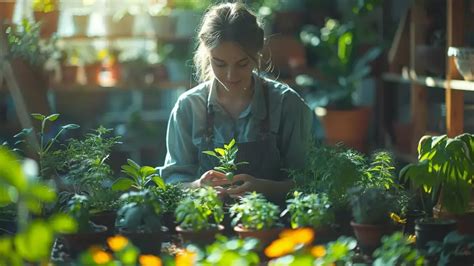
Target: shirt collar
column 257, row 106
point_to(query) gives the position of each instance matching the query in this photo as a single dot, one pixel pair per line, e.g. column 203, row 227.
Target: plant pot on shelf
column 432, row 229
column 92, row 72
column 105, row 218
column 78, row 242
column 119, row 25
column 7, row 7
column 265, row 236
column 203, row 237
column 81, row 24
column 369, row 236
column 164, row 26
column 49, row 22
column 350, row 127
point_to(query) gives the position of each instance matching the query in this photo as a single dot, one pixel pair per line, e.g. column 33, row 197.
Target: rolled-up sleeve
column 180, row 164
column 295, row 130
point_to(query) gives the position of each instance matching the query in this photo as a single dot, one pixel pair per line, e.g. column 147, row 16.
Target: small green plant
column 255, row 212
column 138, row 177
column 201, row 210
column 227, row 157
column 453, row 245
column 397, row 249
column 371, row 205
column 140, row 211
column 24, row 42
column 313, row 210
column 445, row 164
column 78, row 208
column 170, row 195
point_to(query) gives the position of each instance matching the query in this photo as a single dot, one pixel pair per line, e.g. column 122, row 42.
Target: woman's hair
column 231, row 22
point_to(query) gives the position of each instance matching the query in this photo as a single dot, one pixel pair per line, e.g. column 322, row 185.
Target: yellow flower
column 149, row 260
column 185, row 258
column 117, row 243
column 279, row 247
column 303, row 236
column 318, row 251
column 411, row 239
column 397, row 218
column 100, row 256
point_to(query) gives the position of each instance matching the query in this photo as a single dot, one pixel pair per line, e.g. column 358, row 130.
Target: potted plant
column 445, row 170
column 371, row 208
column 199, row 216
column 227, row 157
column 139, row 219
column 397, row 249
column 432, row 229
column 137, row 177
column 342, row 72
column 6, row 10
column 170, row 195
column 47, row 13
column 311, row 210
column 455, row 249
column 255, row 216
column 87, row 233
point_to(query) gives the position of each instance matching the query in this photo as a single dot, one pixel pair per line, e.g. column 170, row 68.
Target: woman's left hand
column 248, row 184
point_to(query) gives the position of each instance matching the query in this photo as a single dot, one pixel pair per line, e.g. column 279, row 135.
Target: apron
column 262, row 154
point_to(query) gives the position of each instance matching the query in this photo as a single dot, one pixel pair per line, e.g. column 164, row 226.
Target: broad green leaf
column 5, row 197
column 220, row 151
column 129, row 170
column 10, row 170
column 39, row 117
column 42, row 193
column 147, row 170
column 122, row 184
column 231, row 144
column 159, row 181
column 133, row 164
column 210, row 153
column 70, row 126
column 129, row 255
column 6, row 245
column 35, row 243
column 52, row 117
column 63, row 224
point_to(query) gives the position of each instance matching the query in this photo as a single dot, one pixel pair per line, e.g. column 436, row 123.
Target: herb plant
column 201, row 210
column 138, row 177
column 397, row 249
column 255, row 212
column 78, row 207
column 371, row 205
column 170, row 195
column 313, row 210
column 227, row 157
column 139, row 212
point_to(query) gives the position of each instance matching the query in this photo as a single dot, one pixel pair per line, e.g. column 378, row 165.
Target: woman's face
column 231, row 66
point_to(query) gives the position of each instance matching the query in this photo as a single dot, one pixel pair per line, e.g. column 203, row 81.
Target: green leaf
column 70, row 126
column 5, row 197
column 42, row 193
column 35, row 243
column 6, row 245
column 39, row 117
column 10, row 170
column 52, row 117
column 131, row 171
column 211, row 153
column 63, row 223
column 220, row 151
column 122, row 184
column 147, row 171
column 133, row 164
column 159, row 181
column 231, row 144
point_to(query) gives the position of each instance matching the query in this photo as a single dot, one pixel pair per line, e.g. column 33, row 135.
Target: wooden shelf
column 427, row 81
column 165, row 85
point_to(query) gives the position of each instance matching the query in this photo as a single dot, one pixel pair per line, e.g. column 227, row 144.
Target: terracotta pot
column 203, row 237
column 119, row 26
column 432, row 229
column 7, row 7
column 369, row 236
column 69, row 74
column 78, row 242
column 49, row 22
column 81, row 24
column 265, row 236
column 92, row 73
column 147, row 242
column 350, row 127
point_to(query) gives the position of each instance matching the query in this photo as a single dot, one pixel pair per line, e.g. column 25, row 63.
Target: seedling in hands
column 227, row 159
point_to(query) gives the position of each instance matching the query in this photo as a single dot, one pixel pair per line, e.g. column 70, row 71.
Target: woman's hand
column 248, row 184
column 211, row 178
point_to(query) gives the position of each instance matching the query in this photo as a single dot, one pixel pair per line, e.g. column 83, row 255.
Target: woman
column 269, row 120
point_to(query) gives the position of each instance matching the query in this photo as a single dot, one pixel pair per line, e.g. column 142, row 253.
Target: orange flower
column 303, row 236
column 397, row 218
column 100, row 256
column 318, row 251
column 185, row 258
column 117, row 243
column 279, row 247
column 149, row 260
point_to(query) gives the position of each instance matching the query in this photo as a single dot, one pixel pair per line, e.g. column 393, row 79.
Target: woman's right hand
column 211, row 178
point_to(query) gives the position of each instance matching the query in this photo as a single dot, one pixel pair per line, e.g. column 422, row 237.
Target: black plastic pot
column 411, row 217
column 432, row 229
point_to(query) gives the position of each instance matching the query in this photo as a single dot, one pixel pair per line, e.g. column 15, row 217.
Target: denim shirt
column 290, row 119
